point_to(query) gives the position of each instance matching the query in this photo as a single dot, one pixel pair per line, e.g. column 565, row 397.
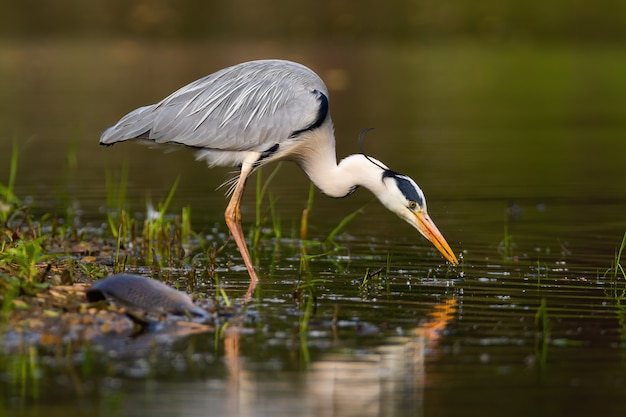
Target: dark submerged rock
column 142, row 293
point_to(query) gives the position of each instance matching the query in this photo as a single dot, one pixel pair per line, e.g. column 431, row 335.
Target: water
column 487, row 130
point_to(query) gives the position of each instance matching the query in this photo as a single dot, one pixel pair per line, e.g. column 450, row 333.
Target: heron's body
column 280, row 102
column 261, row 111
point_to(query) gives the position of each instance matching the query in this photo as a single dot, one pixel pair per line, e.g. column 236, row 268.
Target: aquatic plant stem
column 304, row 220
column 260, row 195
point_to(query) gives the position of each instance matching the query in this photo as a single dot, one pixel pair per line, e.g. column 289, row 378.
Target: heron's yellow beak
column 427, row 227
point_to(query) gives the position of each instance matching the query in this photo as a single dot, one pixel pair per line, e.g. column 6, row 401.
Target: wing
column 247, row 107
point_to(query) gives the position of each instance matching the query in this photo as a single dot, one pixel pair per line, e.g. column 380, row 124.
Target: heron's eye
column 412, row 205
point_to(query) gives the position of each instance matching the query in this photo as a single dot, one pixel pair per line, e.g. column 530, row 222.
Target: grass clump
column 159, row 241
column 23, row 256
column 160, row 232
column 261, row 191
column 119, row 220
column 21, row 242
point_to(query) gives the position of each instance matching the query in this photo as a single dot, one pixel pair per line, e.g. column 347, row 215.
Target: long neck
column 339, row 180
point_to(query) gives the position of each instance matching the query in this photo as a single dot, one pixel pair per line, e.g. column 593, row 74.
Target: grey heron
column 262, row 111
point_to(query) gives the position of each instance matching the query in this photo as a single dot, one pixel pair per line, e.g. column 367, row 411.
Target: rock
column 142, row 293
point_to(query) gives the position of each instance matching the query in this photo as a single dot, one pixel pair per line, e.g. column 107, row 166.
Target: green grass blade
column 7, row 191
column 304, row 220
column 260, row 195
column 275, row 218
column 618, row 258
column 13, row 172
column 170, row 196
column 343, row 223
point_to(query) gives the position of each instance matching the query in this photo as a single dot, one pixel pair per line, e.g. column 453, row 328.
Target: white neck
column 339, row 180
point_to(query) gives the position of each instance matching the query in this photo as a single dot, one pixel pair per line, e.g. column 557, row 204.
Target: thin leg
column 233, row 221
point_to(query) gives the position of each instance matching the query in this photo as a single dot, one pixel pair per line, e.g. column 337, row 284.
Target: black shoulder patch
column 322, row 113
column 268, row 152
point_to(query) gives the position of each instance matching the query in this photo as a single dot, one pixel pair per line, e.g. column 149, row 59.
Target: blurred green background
column 553, row 20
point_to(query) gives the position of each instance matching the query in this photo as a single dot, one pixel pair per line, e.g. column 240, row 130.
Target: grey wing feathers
column 242, row 108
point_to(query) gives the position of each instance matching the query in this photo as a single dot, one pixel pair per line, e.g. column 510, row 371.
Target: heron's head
column 403, row 197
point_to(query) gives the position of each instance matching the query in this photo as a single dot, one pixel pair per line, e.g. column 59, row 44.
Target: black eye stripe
column 405, row 186
column 408, row 190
